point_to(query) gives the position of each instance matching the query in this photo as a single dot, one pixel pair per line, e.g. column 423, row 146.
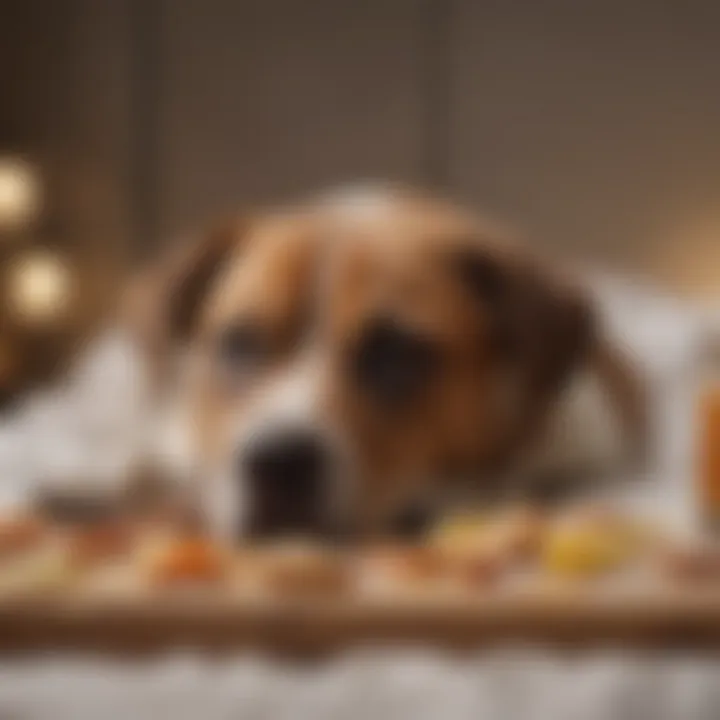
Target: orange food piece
column 189, row 560
column 100, row 542
column 408, row 564
column 20, row 534
column 693, row 564
column 478, row 571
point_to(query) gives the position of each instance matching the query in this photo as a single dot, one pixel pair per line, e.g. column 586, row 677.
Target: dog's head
column 343, row 358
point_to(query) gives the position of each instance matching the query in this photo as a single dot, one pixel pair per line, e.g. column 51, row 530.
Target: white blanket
column 501, row 685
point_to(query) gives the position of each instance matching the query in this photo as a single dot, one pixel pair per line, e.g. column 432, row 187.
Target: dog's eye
column 392, row 362
column 242, row 347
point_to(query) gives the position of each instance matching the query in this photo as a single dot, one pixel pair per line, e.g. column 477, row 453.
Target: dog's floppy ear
column 162, row 303
column 539, row 325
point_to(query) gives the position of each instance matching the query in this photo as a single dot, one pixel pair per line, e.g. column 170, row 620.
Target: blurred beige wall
column 594, row 124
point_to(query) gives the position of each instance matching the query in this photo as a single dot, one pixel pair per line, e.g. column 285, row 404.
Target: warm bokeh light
column 687, row 257
column 19, row 194
column 40, row 287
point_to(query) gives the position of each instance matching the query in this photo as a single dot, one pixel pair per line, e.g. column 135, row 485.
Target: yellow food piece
column 586, row 550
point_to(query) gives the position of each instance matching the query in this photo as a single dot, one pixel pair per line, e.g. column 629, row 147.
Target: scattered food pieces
column 472, row 553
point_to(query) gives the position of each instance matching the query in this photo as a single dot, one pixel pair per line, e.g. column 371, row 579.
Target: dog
column 374, row 354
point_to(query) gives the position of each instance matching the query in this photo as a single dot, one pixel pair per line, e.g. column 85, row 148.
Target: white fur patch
column 225, row 503
column 360, row 202
column 293, row 400
column 584, row 431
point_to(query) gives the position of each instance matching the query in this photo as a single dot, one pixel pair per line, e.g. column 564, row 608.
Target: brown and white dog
column 337, row 363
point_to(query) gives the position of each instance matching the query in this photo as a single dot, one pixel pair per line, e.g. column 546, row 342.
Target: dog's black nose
column 286, row 471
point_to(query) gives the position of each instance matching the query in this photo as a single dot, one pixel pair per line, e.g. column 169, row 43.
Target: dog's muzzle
column 287, row 472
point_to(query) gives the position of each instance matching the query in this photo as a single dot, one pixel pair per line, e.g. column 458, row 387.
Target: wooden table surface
column 141, row 625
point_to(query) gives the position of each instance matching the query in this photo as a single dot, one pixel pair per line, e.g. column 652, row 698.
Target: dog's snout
column 287, row 472
column 291, row 463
